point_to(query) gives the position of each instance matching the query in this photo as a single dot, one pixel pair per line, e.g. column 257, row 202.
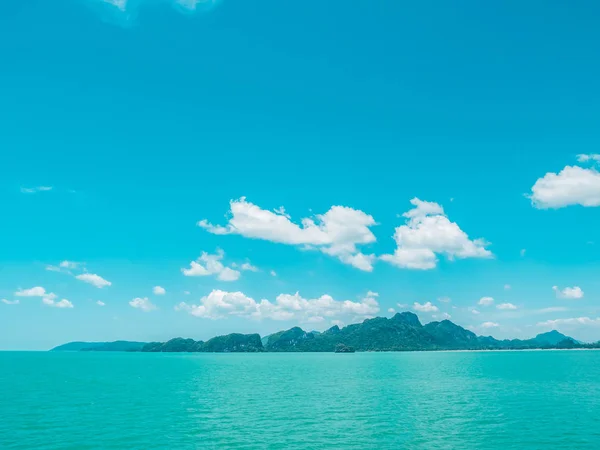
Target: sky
column 193, row 168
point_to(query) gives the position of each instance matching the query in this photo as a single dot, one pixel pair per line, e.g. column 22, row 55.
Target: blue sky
column 271, row 164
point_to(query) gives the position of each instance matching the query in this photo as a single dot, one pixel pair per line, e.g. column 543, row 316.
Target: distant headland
column 402, row 332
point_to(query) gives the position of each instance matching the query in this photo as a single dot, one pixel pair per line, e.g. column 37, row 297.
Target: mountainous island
column 402, row 332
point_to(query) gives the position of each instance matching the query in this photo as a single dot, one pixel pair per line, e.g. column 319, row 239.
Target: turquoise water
column 475, row 400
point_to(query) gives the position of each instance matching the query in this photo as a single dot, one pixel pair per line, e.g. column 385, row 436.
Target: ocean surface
column 443, row 400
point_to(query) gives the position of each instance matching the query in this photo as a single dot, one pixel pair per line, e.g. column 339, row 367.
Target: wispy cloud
column 125, row 12
column 36, row 189
column 10, row 302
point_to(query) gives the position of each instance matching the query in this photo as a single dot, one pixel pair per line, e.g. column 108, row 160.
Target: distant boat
column 341, row 348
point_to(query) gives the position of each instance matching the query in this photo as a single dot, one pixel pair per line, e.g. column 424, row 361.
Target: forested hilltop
column 402, row 332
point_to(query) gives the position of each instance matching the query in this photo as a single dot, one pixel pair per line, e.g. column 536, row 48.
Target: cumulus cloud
column 100, row 303
column 573, row 185
column 10, row 302
column 426, row 307
column 428, row 233
column 94, row 280
column 337, row 233
column 142, row 303
column 489, row 325
column 572, row 293
column 208, row 264
column 220, row 304
column 35, row 190
column 506, row 306
column 485, row 301
column 159, row 290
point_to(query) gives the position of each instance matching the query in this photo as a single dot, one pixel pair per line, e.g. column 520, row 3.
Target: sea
column 416, row 400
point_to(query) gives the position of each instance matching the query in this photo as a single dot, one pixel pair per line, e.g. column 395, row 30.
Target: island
column 402, row 332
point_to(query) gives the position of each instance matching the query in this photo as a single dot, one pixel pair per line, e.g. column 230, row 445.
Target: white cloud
column 142, row 303
column 575, row 321
column 551, row 309
column 186, row 292
column 474, row 311
column 64, row 303
column 485, row 301
column 159, row 290
column 571, row 186
column 10, row 302
column 402, row 305
column 100, row 303
column 506, row 306
column 426, row 307
column 444, row 299
column 489, row 325
column 37, row 291
column 427, row 233
column 391, row 310
column 572, row 293
column 48, row 298
column 249, row 267
column 125, row 12
column 589, row 157
column 273, row 273
column 208, row 264
column 35, row 190
column 442, row 316
column 507, row 287
column 64, row 267
column 220, row 304
column 337, row 233
column 69, row 264
column 93, row 279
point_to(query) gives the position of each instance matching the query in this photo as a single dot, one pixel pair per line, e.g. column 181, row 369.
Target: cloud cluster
column 571, row 293
column 220, row 304
column 337, row 233
column 208, row 264
column 428, row 233
column 590, row 157
column 573, row 185
column 48, row 298
column 574, row 321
